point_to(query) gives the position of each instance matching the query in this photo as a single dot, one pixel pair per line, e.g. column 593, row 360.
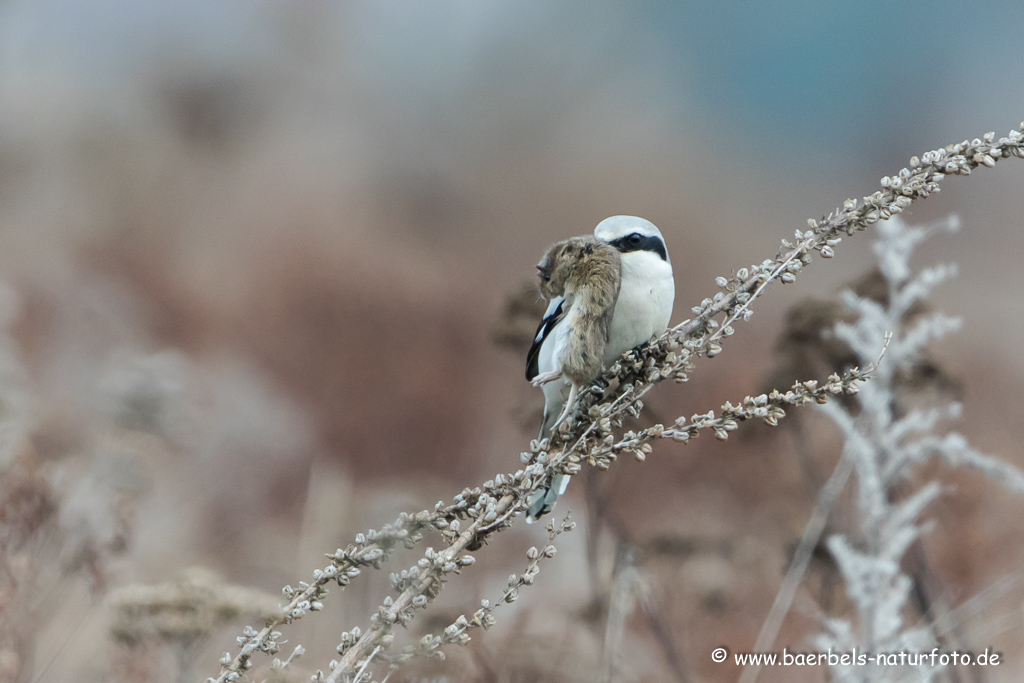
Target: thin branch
column 421, row 584
column 362, row 669
column 401, row 609
column 457, row 632
column 798, row 566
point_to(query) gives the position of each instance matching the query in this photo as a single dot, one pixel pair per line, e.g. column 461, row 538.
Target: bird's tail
column 543, row 500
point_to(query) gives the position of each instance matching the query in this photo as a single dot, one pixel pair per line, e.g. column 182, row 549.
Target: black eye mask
column 653, row 244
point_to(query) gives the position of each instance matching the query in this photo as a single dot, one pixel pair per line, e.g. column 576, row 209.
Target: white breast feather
column 645, row 302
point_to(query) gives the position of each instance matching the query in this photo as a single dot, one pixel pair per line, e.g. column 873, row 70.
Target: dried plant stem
column 887, row 434
column 362, row 669
column 620, row 605
column 457, row 632
column 798, row 566
column 353, row 657
column 435, row 566
column 346, row 564
column 587, row 436
column 600, row 517
column 827, row 498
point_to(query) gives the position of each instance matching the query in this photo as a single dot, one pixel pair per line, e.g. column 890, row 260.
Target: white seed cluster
column 369, row 550
column 456, row 633
column 887, row 436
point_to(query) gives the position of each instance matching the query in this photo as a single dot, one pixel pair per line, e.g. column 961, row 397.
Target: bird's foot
column 641, row 347
column 598, row 386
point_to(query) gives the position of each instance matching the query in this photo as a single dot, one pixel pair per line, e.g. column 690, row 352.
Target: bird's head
column 632, row 234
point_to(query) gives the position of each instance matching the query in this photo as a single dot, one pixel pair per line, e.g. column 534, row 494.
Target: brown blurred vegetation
column 251, row 313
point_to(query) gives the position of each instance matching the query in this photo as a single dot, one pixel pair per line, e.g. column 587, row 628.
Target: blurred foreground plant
column 590, row 437
column 63, row 517
column 180, row 615
column 887, row 432
column 884, row 441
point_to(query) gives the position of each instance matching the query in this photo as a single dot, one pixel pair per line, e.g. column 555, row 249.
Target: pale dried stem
column 362, row 669
column 309, row 594
column 767, row 407
column 372, row 637
column 798, row 566
column 457, row 632
column 671, row 355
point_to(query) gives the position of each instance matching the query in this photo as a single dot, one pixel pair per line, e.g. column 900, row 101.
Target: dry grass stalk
column 588, row 436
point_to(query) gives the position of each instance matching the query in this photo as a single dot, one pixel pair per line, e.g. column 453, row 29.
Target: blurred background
column 257, row 263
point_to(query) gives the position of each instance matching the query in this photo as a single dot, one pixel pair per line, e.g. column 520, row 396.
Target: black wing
column 543, row 330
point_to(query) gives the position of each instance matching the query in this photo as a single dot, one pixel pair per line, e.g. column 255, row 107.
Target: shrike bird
column 643, row 308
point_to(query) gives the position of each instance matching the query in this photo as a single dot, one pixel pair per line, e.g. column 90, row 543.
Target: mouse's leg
column 545, row 377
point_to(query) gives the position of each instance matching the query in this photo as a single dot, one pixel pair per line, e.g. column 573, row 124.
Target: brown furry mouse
column 587, row 272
